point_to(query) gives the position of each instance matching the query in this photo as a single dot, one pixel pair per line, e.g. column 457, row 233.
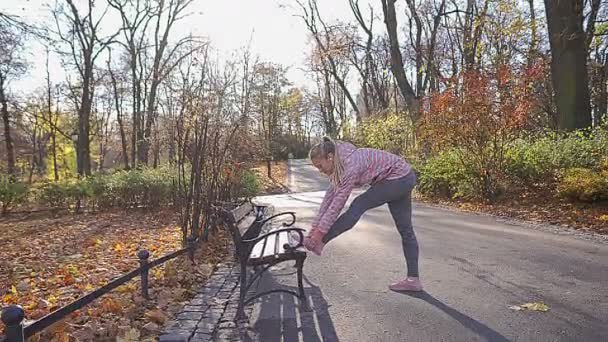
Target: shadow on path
column 475, row 326
column 281, row 318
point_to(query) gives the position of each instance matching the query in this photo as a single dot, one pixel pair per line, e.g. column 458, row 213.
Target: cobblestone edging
column 209, row 316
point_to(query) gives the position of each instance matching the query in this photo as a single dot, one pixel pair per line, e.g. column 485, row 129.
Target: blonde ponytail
column 323, row 149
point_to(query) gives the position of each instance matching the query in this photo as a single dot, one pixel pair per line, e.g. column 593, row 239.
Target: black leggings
column 397, row 193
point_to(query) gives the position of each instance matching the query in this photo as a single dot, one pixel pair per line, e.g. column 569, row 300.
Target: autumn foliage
column 479, row 113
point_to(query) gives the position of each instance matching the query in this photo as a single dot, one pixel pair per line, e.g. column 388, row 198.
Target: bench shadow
column 280, row 317
column 475, row 326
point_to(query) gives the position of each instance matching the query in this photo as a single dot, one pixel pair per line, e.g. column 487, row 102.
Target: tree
column 412, row 101
column 332, row 45
column 82, row 36
column 568, row 42
column 12, row 64
column 136, row 17
column 164, row 60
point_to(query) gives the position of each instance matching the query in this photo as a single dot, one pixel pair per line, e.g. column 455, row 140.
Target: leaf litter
column 47, row 262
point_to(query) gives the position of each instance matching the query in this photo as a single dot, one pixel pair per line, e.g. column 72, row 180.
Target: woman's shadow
column 475, row 326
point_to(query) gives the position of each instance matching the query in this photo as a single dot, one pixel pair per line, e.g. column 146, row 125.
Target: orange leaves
column 110, row 305
column 156, row 316
column 480, row 106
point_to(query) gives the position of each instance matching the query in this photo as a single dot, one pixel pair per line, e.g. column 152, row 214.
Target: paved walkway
column 209, row 316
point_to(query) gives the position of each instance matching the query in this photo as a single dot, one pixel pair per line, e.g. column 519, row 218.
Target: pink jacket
column 361, row 166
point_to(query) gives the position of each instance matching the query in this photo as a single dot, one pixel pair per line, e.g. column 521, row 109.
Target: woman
column 392, row 181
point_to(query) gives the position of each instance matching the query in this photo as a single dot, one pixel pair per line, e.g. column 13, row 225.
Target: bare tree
column 12, row 64
column 165, row 59
column 330, row 44
column 397, row 67
column 81, row 33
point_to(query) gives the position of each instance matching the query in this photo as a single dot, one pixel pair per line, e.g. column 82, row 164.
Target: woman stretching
column 392, row 181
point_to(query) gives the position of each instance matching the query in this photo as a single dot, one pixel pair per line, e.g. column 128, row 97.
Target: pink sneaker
column 410, row 284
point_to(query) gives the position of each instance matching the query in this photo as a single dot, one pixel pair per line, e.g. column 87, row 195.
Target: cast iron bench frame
column 246, row 223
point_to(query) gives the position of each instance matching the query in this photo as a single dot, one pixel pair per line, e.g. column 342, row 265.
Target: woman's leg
column 401, row 210
column 375, row 196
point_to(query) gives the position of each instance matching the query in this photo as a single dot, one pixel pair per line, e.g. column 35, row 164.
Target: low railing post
column 191, row 246
column 143, row 256
column 12, row 317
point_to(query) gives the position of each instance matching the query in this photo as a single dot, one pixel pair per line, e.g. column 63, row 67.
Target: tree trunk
column 569, row 63
column 602, row 106
column 83, row 145
column 8, row 140
column 390, row 19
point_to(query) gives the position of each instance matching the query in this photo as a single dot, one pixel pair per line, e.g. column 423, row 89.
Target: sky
column 275, row 32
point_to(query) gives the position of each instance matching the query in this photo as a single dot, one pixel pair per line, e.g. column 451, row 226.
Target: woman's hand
column 314, row 241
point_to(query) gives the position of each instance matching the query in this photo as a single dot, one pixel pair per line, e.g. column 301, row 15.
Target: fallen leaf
column 13, row 290
column 156, row 316
column 118, row 248
column 542, row 307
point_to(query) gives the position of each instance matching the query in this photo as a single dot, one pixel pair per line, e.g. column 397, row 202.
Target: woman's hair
column 322, row 150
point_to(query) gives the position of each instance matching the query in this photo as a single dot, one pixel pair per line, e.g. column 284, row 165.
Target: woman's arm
column 329, row 195
column 341, row 194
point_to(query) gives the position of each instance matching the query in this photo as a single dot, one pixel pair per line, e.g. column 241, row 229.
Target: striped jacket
column 362, row 166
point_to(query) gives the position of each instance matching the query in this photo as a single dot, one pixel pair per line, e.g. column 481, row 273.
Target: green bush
column 144, row 187
column 585, row 185
column 392, row 133
column 61, row 194
column 249, row 184
column 540, row 158
column 449, row 175
column 11, row 194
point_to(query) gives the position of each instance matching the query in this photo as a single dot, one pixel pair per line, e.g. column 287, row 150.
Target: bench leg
column 302, row 295
column 240, row 311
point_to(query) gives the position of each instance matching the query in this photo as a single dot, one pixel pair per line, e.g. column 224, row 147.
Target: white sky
column 276, row 34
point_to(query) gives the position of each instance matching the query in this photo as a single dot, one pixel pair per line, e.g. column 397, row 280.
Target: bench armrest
column 300, row 232
column 285, row 224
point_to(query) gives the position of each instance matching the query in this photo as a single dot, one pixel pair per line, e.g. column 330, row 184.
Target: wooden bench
column 260, row 245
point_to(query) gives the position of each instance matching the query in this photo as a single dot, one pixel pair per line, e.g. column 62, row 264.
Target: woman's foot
column 409, row 284
column 314, row 242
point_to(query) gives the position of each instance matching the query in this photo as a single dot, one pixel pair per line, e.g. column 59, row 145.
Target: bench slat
column 241, row 211
column 258, row 249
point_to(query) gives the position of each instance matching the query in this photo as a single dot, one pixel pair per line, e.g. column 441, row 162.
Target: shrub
column 61, row 194
column 540, row 158
column 11, row 194
column 480, row 113
column 448, row 175
column 585, row 185
column 249, row 184
column 392, row 133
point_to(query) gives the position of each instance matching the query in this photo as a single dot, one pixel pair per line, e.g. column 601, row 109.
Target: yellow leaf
column 89, row 287
column 118, row 248
column 7, row 299
column 52, row 299
column 97, row 242
column 157, row 273
column 535, row 307
column 14, row 290
column 542, row 307
column 33, row 274
column 126, row 288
